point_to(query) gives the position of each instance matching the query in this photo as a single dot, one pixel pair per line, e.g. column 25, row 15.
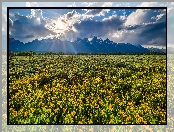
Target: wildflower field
column 87, row 89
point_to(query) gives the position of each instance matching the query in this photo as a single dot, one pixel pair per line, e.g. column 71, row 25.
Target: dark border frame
column 8, row 8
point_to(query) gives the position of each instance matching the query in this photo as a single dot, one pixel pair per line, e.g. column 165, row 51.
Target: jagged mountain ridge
column 78, row 46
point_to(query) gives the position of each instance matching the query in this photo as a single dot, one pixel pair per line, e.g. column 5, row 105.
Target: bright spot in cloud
column 60, row 25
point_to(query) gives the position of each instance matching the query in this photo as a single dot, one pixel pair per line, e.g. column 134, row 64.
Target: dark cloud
column 148, row 34
column 153, row 28
column 146, row 27
column 22, row 32
column 93, row 11
column 99, row 28
column 63, row 21
column 16, row 15
column 88, row 27
column 160, row 41
column 23, row 27
column 69, row 15
column 154, row 34
column 113, row 22
column 29, row 36
column 134, row 27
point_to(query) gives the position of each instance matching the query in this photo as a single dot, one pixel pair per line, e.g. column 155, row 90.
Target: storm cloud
column 24, row 26
column 99, row 28
column 141, row 26
column 93, row 11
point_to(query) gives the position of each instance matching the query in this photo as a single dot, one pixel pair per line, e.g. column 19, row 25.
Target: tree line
column 31, row 53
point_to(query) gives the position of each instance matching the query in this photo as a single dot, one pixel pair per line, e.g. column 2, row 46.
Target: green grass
column 87, row 89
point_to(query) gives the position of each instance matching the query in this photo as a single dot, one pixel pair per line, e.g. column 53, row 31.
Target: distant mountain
column 78, row 46
column 157, row 50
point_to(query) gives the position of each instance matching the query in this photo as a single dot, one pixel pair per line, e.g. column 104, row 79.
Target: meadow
column 87, row 89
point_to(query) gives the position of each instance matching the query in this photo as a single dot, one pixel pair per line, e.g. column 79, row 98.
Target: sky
column 136, row 26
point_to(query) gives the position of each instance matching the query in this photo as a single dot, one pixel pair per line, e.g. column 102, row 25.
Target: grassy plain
column 87, row 89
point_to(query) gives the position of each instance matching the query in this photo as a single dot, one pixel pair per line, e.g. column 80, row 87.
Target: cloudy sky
column 136, row 26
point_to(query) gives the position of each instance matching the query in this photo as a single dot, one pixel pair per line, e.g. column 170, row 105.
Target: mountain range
column 95, row 45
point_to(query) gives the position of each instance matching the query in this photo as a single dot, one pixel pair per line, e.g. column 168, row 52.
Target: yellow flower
column 80, row 106
column 32, row 110
column 11, row 109
column 36, row 84
column 110, row 106
column 56, row 110
column 69, row 115
column 120, row 80
column 25, row 114
column 51, row 104
column 103, row 112
column 21, row 110
column 58, row 102
column 120, row 112
column 128, row 118
column 145, row 122
column 129, row 103
column 58, row 85
column 73, row 113
column 124, row 114
column 64, row 109
column 97, row 106
column 49, row 110
column 111, row 121
column 98, row 79
column 90, row 121
column 80, row 122
column 15, row 113
column 163, row 121
column 121, row 103
column 42, row 104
